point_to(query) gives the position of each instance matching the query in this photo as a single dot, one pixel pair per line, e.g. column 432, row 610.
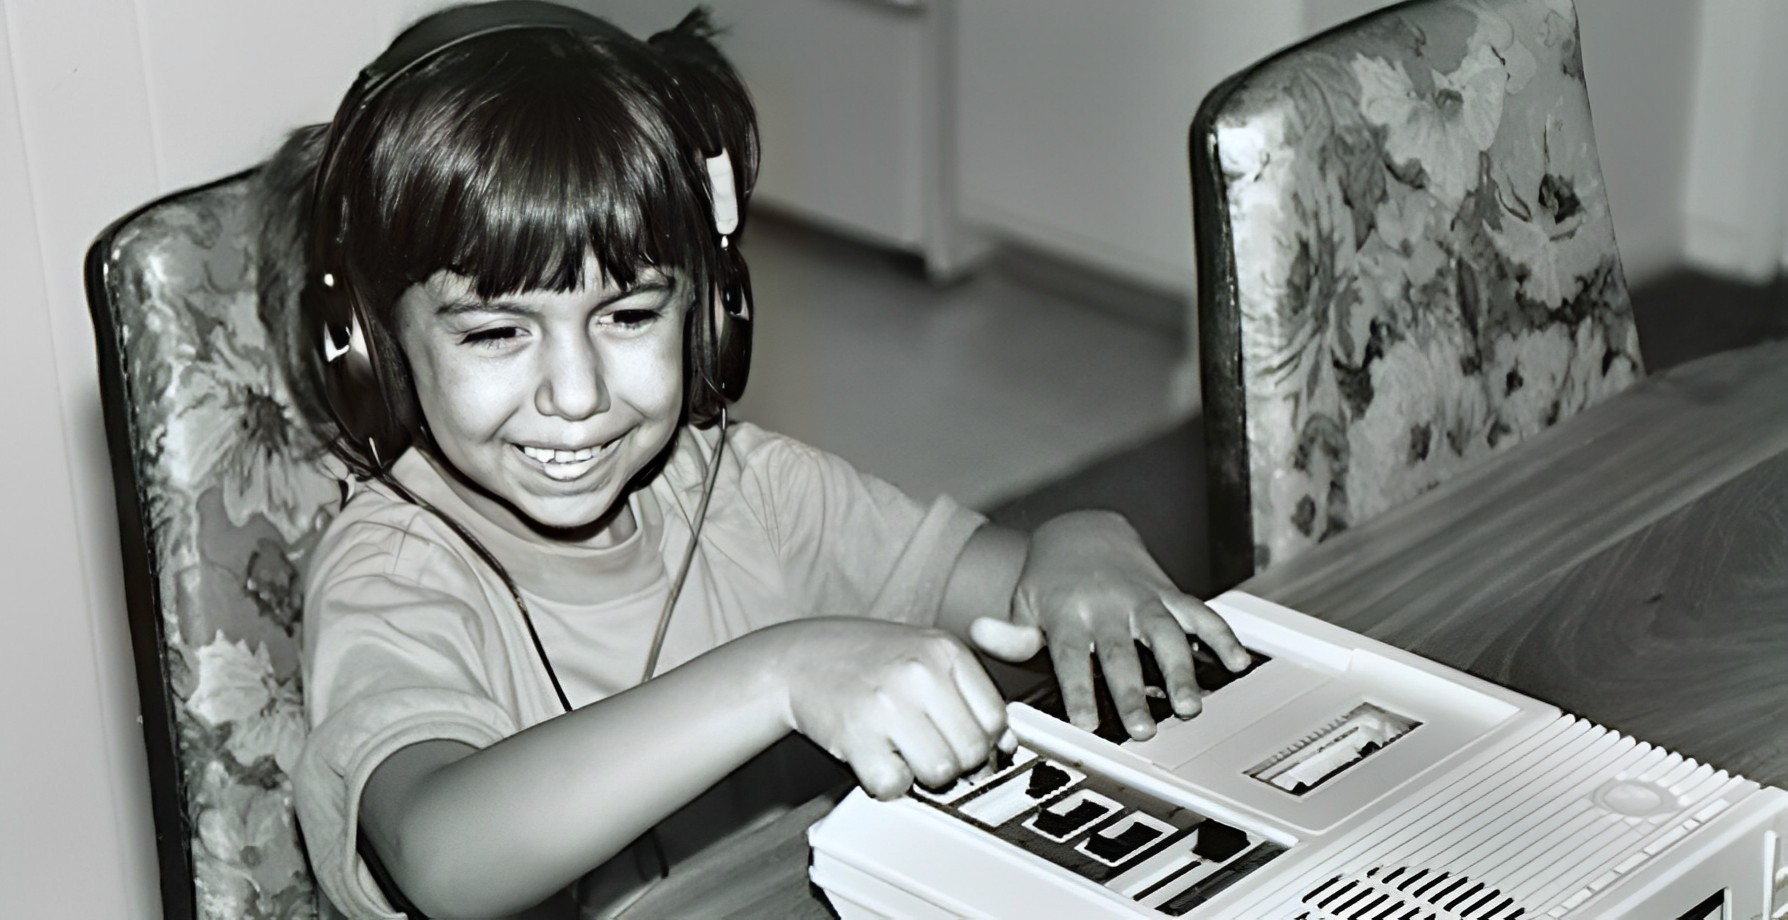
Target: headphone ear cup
column 732, row 312
column 352, row 381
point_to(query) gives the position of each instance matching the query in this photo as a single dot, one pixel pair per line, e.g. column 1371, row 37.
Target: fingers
column 899, row 744
column 882, row 773
column 954, row 729
column 929, row 755
column 937, row 716
column 1173, row 656
column 1210, row 628
column 1070, row 653
column 1123, row 676
column 985, row 702
column 1162, row 623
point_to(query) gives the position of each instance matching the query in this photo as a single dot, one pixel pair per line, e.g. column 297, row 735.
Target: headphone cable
column 502, row 573
column 695, row 533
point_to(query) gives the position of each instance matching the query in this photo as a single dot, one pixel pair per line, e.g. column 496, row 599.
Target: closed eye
column 491, row 337
column 632, row 318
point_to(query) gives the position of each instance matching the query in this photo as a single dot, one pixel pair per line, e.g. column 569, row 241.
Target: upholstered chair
column 1405, row 265
column 221, row 490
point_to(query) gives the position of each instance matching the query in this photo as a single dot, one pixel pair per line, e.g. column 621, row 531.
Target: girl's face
column 549, row 402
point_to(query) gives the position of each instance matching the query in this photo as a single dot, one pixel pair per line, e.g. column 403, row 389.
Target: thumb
column 1005, row 640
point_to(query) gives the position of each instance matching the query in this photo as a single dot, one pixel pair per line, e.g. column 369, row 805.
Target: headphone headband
column 460, row 24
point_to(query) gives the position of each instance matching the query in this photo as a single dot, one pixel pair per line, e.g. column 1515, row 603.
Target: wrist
column 752, row 678
column 775, row 665
column 984, row 582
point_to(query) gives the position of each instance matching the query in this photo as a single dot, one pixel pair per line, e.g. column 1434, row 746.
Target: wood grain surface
column 1629, row 566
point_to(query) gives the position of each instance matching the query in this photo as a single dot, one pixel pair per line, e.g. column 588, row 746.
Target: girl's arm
column 484, row 832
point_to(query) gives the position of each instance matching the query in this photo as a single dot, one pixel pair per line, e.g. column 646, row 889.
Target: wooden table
column 1629, row 565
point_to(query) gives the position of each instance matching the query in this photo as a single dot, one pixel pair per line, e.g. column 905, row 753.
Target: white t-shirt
column 409, row 636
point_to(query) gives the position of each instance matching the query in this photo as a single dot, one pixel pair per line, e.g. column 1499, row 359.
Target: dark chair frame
column 1223, row 403
column 142, row 591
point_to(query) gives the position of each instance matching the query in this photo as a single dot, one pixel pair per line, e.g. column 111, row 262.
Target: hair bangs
column 514, row 184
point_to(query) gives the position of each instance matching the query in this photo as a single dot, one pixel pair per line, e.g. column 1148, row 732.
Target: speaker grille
column 1403, row 893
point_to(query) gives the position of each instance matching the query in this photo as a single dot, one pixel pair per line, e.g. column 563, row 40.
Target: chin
column 576, row 521
column 570, row 519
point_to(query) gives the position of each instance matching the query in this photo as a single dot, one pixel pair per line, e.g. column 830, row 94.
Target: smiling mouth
column 565, row 465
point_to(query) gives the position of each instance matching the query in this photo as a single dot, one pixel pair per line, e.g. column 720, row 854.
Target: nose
column 571, row 384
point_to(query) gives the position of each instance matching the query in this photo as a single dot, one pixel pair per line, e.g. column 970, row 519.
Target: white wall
column 1738, row 141
column 1073, row 120
column 61, row 775
column 105, row 104
column 1640, row 60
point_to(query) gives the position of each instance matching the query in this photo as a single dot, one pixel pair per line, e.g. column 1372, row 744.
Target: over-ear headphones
column 364, row 377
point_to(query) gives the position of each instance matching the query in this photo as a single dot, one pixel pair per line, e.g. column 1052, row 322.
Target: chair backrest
column 1405, row 263
column 221, row 490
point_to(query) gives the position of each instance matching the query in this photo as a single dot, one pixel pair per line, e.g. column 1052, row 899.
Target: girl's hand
column 895, row 702
column 1089, row 587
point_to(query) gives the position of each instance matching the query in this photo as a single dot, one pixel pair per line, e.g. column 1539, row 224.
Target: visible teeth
column 548, row 455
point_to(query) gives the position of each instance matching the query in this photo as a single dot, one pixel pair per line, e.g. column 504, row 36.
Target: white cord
column 695, row 533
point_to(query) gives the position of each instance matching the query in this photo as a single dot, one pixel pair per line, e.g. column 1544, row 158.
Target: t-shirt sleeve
column 852, row 543
column 390, row 660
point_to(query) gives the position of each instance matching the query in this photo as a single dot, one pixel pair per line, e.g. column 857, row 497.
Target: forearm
column 485, row 832
column 983, row 579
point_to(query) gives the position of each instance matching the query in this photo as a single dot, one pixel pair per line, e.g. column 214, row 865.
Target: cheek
column 674, row 376
column 457, row 402
column 652, row 377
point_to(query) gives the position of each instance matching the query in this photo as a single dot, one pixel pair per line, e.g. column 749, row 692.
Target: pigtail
column 282, row 190
column 717, row 104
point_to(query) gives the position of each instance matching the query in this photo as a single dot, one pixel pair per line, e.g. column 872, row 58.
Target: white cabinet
column 852, row 104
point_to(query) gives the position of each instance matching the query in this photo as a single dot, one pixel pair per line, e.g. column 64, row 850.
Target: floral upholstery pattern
column 1406, row 263
column 223, row 489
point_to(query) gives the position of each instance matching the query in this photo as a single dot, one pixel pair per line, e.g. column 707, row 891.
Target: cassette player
column 1338, row 779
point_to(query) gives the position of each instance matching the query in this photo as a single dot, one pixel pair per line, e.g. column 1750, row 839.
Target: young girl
column 564, row 597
